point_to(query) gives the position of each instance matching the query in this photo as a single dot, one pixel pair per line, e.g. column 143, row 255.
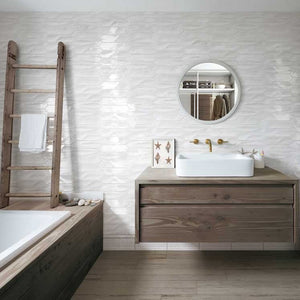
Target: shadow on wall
column 119, row 225
column 69, row 100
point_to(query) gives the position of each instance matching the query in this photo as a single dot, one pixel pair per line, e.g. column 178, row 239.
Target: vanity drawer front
column 216, row 194
column 218, row 223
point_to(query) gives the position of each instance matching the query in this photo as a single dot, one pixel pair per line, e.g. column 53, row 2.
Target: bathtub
column 19, row 229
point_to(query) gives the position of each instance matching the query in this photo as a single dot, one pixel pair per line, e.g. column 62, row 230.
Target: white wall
column 123, row 71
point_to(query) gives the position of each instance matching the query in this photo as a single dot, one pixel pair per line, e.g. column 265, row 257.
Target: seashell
column 168, row 147
column 157, row 157
column 81, row 202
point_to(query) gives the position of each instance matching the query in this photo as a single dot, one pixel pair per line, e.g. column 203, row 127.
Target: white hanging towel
column 33, row 133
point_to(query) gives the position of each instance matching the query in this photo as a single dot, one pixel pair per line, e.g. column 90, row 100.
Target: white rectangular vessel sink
column 214, row 165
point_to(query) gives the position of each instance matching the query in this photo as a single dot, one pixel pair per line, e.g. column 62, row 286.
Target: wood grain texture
column 256, row 209
column 28, row 195
column 296, row 216
column 17, row 66
column 217, row 223
column 33, row 168
column 137, row 212
column 216, row 194
column 192, row 275
column 8, row 116
column 7, row 131
column 16, row 142
column 168, row 176
column 60, row 75
column 32, row 91
column 54, row 267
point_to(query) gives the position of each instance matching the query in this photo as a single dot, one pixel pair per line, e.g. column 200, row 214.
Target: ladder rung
column 31, row 91
column 29, row 168
column 28, row 195
column 17, row 142
column 17, row 66
column 19, row 116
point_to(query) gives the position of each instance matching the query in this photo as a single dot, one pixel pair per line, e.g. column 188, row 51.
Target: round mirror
column 210, row 92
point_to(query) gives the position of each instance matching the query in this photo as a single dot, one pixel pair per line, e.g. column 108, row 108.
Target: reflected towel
column 33, row 133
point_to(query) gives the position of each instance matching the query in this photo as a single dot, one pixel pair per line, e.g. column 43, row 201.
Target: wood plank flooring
column 149, row 275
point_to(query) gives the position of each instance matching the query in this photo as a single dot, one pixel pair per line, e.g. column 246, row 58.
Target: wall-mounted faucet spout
column 208, row 142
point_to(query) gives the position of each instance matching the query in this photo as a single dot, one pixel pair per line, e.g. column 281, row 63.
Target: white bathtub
column 19, row 229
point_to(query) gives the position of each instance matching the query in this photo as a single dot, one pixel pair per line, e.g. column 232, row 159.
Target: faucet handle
column 220, row 141
column 195, row 141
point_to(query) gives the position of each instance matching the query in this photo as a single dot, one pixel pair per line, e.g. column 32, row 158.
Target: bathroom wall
column 122, row 75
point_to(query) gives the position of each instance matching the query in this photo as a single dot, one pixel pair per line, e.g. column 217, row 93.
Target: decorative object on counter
column 242, row 151
column 63, row 198
column 248, row 153
column 163, row 153
column 81, row 202
column 259, row 162
column 73, row 202
column 82, row 199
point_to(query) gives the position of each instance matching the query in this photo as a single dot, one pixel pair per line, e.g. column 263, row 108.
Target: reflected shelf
column 205, row 91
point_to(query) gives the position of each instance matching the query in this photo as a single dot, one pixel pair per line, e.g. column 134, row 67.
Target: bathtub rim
column 11, row 253
column 21, row 263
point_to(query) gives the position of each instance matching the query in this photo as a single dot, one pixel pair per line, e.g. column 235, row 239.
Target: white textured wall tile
column 122, row 75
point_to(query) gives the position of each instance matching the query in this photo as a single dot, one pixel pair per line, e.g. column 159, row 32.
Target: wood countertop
column 29, row 255
column 168, row 176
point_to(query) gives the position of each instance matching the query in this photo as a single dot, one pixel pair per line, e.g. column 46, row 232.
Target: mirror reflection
column 209, row 92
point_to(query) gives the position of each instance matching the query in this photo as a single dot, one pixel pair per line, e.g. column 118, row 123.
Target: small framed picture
column 163, row 153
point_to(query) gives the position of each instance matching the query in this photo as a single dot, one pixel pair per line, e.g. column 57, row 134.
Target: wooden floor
column 122, row 275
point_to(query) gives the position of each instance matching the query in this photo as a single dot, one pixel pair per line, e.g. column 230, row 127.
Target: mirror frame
column 238, row 92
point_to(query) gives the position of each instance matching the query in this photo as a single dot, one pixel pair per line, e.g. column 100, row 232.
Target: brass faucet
column 220, row 141
column 208, row 142
column 195, row 141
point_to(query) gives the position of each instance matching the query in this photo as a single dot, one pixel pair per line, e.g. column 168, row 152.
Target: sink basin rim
column 191, row 164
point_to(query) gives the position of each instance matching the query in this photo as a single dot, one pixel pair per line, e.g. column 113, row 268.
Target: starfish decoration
column 157, row 158
column 253, row 153
column 242, row 151
column 168, row 160
column 168, row 146
column 157, row 145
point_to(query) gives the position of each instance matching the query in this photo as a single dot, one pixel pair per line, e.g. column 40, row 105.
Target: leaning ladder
column 8, row 117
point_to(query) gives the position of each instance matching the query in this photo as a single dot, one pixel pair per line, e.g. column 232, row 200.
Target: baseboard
column 120, row 243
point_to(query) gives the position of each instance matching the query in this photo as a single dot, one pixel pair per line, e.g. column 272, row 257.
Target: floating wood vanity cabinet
column 262, row 208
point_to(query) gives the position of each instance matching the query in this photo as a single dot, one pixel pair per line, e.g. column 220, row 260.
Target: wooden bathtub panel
column 57, row 271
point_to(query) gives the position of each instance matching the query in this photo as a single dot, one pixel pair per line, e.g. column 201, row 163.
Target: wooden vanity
column 262, row 208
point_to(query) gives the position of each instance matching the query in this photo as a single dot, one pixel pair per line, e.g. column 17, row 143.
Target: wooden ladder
column 9, row 116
